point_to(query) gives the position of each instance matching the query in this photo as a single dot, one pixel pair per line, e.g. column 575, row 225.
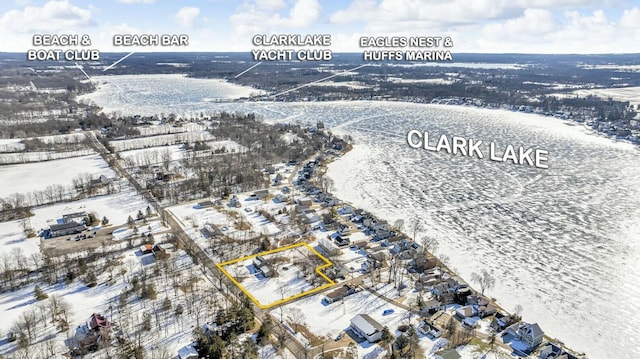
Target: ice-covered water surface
column 131, row 90
column 562, row 242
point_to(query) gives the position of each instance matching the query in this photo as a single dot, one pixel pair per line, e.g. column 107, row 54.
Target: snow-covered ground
column 424, row 81
column 160, row 140
column 28, row 177
column 116, row 207
column 631, row 94
column 288, row 281
column 84, row 301
column 38, row 156
column 555, row 238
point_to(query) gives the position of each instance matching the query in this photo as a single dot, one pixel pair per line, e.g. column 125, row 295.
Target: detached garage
column 367, row 327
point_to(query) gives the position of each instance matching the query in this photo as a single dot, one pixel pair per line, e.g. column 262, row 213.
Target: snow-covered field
column 31, row 157
column 160, row 140
column 555, row 239
column 28, row 177
column 116, row 207
column 631, row 94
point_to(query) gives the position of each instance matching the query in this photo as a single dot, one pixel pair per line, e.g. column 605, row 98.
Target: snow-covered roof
column 366, row 324
column 187, row 352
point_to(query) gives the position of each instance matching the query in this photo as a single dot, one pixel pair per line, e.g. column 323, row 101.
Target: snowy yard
column 28, row 177
column 282, row 275
column 117, row 208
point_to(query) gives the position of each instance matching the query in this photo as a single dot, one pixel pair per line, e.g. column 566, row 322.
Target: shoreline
column 438, row 261
column 600, row 139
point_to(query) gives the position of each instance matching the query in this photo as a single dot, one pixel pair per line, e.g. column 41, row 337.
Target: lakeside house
column 529, row 334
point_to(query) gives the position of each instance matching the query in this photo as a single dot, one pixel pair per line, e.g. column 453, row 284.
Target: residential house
column 500, row 322
column 262, row 266
column 477, row 299
column 329, row 247
column 367, row 327
column 336, row 271
column 426, row 282
column 77, row 217
column 146, row 248
column 343, row 230
column 304, row 202
column 162, row 248
column 310, row 216
column 466, row 312
column 339, row 293
column 64, row 229
column 341, row 241
column 281, row 198
column 430, row 307
column 210, row 230
column 188, row 352
column 260, row 194
column 487, row 310
column 300, row 208
column 205, row 204
column 93, row 332
column 430, row 330
column 555, row 351
column 530, row 334
column 102, row 180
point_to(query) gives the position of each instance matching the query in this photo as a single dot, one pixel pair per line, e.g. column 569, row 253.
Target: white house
column 531, row 334
column 188, row 352
column 367, row 327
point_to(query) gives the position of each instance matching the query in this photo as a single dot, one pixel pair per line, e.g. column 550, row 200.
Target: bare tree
column 484, row 279
column 429, row 244
column 27, row 321
column 296, row 317
column 397, row 225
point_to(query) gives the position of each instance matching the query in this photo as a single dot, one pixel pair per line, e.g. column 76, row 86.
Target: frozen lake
column 562, row 242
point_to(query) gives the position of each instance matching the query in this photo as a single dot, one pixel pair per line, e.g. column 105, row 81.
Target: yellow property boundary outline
column 281, row 301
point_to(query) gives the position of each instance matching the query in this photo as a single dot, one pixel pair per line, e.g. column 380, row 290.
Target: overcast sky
column 486, row 26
